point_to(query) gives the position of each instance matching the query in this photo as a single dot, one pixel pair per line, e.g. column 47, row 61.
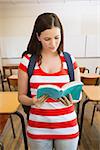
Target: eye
column 57, row 37
column 47, row 39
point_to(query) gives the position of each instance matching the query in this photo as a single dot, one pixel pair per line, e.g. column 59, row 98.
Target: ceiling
column 36, row 1
column 28, row 1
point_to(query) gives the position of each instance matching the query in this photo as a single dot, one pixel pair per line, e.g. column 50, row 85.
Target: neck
column 49, row 54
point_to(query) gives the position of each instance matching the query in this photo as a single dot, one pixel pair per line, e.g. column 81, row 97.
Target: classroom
column 81, row 25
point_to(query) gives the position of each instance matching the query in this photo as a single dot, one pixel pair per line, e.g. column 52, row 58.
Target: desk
column 9, row 67
column 9, row 105
column 90, row 78
column 89, row 75
column 93, row 95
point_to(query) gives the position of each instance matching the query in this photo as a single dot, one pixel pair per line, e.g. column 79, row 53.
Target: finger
column 43, row 98
column 67, row 100
column 65, row 97
column 70, row 97
column 62, row 100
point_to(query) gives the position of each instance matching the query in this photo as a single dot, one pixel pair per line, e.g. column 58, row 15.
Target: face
column 50, row 39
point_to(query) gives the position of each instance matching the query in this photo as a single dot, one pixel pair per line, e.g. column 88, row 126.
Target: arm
column 77, row 74
column 23, row 88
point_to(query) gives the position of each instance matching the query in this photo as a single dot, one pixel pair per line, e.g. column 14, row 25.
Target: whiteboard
column 13, row 47
column 75, row 45
column 93, row 46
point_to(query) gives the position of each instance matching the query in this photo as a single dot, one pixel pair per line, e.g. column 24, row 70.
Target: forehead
column 51, row 32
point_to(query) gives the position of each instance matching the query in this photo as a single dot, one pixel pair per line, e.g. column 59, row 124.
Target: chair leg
column 12, row 127
column 1, row 146
column 81, row 119
column 93, row 115
column 8, row 84
column 3, row 87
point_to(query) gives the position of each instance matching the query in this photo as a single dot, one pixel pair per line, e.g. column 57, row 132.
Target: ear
column 38, row 37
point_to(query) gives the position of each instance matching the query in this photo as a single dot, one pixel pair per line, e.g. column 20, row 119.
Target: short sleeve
column 24, row 62
column 75, row 65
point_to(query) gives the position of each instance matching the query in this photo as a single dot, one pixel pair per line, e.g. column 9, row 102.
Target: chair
column 93, row 96
column 1, row 146
column 97, row 69
column 3, row 80
column 12, row 83
column 83, row 69
column 96, row 106
column 91, row 81
column 7, row 71
column 3, row 123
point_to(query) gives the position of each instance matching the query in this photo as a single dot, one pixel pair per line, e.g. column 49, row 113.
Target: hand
column 38, row 102
column 66, row 101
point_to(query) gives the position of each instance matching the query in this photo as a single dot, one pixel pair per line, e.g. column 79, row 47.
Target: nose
column 52, row 43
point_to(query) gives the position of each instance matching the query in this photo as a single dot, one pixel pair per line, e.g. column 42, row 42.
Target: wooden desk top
column 90, row 75
column 92, row 92
column 15, row 77
column 8, row 102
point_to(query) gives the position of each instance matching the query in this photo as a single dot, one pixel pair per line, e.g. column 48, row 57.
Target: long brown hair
column 43, row 22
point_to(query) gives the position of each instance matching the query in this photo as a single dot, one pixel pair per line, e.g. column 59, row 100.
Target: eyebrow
column 49, row 37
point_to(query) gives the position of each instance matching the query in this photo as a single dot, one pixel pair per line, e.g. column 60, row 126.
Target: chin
column 53, row 50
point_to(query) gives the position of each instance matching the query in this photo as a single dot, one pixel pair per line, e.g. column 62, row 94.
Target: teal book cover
column 74, row 88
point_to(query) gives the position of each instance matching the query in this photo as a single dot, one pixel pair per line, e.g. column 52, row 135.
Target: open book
column 74, row 88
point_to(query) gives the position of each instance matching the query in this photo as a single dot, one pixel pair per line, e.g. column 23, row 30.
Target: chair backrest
column 97, row 70
column 0, row 76
column 1, row 80
column 13, row 84
column 9, row 69
column 83, row 69
column 90, row 81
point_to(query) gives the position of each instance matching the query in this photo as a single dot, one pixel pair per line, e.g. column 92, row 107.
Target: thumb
column 70, row 98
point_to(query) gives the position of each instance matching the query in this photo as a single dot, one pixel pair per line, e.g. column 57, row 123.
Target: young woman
column 50, row 120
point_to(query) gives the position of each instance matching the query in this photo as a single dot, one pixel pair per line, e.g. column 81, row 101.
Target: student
column 50, row 121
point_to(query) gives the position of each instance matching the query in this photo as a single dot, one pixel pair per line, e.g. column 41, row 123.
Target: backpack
column 31, row 67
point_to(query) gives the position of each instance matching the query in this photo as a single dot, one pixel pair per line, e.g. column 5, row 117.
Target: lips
column 52, row 48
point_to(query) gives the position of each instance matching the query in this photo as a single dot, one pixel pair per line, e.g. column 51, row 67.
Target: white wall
column 81, row 20
column 0, row 38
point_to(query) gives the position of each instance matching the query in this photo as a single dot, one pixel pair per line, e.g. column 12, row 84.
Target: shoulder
column 24, row 62
column 63, row 54
column 75, row 65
